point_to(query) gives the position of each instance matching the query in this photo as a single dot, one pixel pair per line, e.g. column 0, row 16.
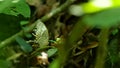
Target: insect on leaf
column 41, row 34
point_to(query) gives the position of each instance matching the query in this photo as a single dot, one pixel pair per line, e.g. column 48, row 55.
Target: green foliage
column 51, row 52
column 72, row 36
column 9, row 25
column 114, row 32
column 15, row 7
column 15, row 56
column 22, row 23
column 113, row 51
column 24, row 45
column 103, row 19
column 4, row 4
column 4, row 54
column 9, row 11
column 5, row 64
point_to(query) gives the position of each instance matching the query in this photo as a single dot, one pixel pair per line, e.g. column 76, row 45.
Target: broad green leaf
column 105, row 18
column 5, row 64
column 9, row 25
column 24, row 45
column 51, row 52
column 22, row 8
column 15, row 7
column 4, row 4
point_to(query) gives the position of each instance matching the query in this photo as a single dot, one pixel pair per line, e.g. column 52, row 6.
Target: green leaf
column 9, row 25
column 105, row 18
column 22, row 8
column 5, row 64
column 15, row 8
column 52, row 51
column 24, row 46
column 4, row 4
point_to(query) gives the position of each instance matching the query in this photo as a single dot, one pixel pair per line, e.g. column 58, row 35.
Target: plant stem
column 64, row 49
column 102, row 48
